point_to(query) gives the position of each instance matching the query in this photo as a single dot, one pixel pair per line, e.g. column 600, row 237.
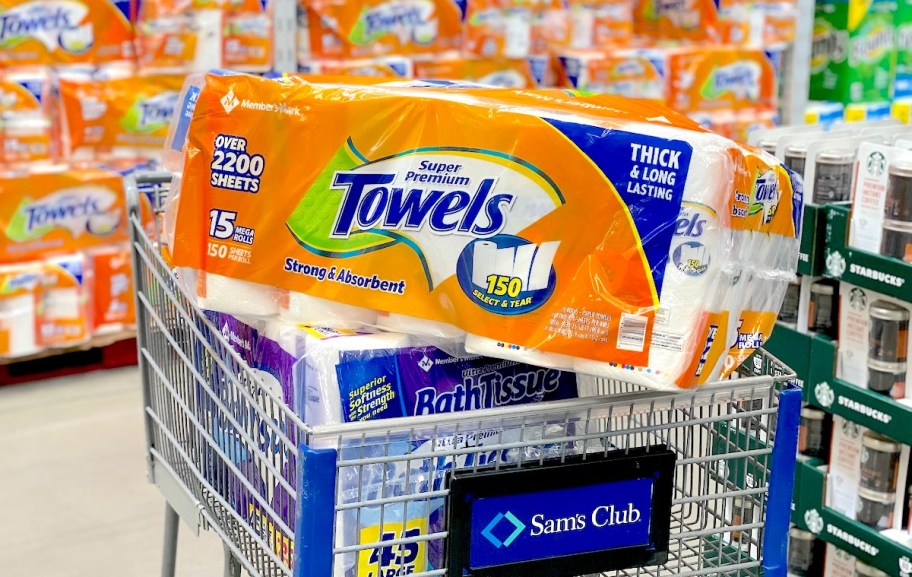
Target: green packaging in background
column 902, row 22
column 853, row 57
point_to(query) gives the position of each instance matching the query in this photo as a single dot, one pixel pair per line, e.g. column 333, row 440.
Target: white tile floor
column 74, row 500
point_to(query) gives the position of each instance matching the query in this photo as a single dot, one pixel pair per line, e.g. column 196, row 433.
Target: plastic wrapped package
column 20, row 291
column 343, row 29
column 25, row 117
column 694, row 20
column 622, row 72
column 332, row 376
column 600, row 23
column 498, row 28
column 183, row 36
column 775, row 231
column 63, row 314
column 61, row 210
column 416, row 326
column 119, row 117
column 113, row 301
column 595, row 233
column 302, row 308
column 90, row 31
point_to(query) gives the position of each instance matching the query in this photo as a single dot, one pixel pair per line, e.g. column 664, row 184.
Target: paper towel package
column 331, row 376
column 60, row 210
column 20, row 289
column 113, row 301
column 63, row 307
column 590, row 233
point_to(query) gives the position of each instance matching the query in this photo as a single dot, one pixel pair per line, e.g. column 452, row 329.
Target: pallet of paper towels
column 605, row 236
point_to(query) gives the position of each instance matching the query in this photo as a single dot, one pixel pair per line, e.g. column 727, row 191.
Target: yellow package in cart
column 385, row 560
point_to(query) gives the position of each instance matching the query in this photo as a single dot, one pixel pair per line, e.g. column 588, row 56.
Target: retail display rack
column 813, row 357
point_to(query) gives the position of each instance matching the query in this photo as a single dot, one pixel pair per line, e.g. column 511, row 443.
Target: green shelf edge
column 810, row 514
column 792, row 348
column 886, row 275
column 859, row 405
column 811, row 255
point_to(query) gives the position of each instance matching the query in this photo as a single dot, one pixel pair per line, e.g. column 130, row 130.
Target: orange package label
column 421, row 202
column 498, row 28
column 171, row 48
column 129, row 112
column 612, row 23
column 676, row 19
column 550, row 29
column 49, row 32
column 23, row 93
column 113, row 295
column 704, row 79
column 62, row 310
column 622, row 73
column 54, row 212
column 765, row 197
column 754, row 329
column 339, row 28
column 247, row 43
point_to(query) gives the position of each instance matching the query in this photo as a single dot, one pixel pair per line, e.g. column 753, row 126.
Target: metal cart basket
column 365, row 499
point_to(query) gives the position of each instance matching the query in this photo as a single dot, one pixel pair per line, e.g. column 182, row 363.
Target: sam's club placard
column 563, row 519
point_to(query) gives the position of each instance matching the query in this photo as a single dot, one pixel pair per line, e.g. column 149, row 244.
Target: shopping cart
column 366, row 499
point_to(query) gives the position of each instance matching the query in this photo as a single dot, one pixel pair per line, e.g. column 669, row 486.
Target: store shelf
column 106, row 352
column 792, row 348
column 859, row 405
column 811, row 255
column 866, row 544
column 868, row 270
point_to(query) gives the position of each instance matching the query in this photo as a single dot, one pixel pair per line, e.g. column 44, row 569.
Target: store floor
column 74, row 500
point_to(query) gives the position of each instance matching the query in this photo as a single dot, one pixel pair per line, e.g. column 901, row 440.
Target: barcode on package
column 632, row 333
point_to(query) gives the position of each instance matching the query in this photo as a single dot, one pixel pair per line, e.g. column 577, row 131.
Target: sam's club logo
column 512, row 524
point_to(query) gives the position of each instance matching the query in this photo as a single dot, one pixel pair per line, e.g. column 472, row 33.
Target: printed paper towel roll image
column 588, row 232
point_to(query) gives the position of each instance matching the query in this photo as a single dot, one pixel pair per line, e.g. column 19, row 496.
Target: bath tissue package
column 332, row 376
column 594, row 234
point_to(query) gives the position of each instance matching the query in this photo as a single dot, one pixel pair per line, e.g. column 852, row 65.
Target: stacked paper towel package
column 65, row 274
column 718, row 62
column 378, row 250
column 469, row 229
